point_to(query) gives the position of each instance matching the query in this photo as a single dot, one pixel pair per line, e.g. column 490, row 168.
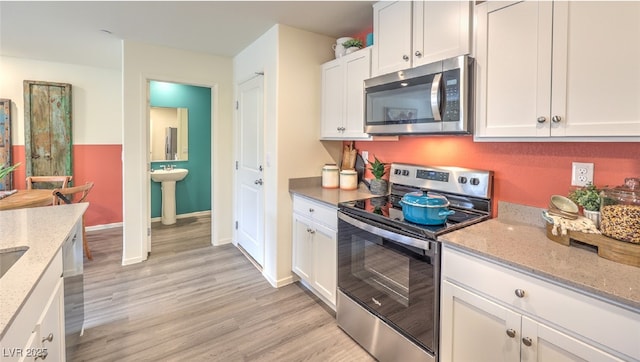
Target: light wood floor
column 192, row 301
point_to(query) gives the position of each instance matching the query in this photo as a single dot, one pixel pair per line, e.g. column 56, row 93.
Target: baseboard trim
column 184, row 216
column 104, row 226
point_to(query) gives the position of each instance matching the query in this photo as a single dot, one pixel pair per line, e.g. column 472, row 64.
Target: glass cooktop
column 387, row 211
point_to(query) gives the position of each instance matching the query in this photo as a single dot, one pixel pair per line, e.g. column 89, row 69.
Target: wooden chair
column 48, row 182
column 71, row 195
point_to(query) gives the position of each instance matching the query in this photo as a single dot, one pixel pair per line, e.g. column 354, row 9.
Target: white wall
column 142, row 62
column 96, row 97
column 290, row 59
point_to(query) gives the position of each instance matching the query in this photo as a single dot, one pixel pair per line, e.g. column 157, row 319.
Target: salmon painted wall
column 526, row 173
column 98, row 163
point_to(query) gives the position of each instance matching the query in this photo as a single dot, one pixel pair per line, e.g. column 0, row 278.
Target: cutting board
column 608, row 248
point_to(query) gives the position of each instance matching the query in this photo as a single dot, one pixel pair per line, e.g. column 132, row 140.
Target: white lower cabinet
column 37, row 332
column 315, row 248
column 493, row 313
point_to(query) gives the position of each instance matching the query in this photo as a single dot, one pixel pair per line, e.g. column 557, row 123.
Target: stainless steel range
column 389, row 268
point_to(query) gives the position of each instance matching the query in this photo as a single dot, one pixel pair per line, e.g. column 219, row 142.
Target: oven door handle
column 390, row 235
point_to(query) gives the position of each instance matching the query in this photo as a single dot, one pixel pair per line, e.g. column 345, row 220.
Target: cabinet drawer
column 316, row 211
column 577, row 313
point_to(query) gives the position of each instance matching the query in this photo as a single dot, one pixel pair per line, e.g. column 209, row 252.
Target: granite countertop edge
column 43, row 230
column 517, row 240
column 311, row 188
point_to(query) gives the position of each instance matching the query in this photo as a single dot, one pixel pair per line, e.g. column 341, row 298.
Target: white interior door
column 249, row 194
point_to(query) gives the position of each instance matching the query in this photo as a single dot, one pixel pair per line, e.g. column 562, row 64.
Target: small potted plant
column 589, row 198
column 378, row 186
column 6, row 170
column 352, row 45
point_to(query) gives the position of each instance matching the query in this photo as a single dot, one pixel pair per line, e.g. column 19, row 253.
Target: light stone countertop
column 517, row 239
column 43, row 230
column 311, row 187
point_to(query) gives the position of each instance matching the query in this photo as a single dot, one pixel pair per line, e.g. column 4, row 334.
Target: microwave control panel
column 451, row 81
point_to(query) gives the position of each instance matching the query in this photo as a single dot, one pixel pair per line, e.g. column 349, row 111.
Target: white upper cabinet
column 549, row 70
column 343, row 96
column 408, row 34
column 441, row 30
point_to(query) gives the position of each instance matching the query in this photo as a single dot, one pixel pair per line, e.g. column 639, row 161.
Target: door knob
column 258, row 181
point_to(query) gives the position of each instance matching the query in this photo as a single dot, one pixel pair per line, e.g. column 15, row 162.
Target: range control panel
column 458, row 180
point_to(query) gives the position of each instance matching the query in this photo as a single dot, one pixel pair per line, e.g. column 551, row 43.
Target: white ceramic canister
column 340, row 50
column 348, row 180
column 330, row 176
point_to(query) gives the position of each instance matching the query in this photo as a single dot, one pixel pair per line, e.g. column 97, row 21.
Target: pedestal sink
column 168, row 179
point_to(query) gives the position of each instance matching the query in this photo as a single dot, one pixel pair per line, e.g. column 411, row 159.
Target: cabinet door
column 325, row 264
column 302, row 247
column 476, row 329
column 441, row 30
column 332, row 99
column 52, row 325
column 392, row 36
column 514, row 69
column 596, row 76
column 357, row 69
column 543, row 343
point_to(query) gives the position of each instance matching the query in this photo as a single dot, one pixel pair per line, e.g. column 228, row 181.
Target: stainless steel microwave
column 434, row 98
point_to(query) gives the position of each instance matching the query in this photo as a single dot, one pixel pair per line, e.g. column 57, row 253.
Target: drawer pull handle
column 520, row 293
column 311, row 210
column 511, row 333
column 48, row 338
column 527, row 341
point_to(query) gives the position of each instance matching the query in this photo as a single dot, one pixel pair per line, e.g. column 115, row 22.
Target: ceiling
column 89, row 32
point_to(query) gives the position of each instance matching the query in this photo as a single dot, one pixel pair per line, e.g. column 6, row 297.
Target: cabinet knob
column 311, row 231
column 519, row 293
column 542, row 119
column 511, row 333
column 556, row 119
column 311, row 209
column 48, row 338
column 527, row 341
column 418, row 53
column 405, row 58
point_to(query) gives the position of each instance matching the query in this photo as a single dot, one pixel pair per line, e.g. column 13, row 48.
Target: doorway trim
column 145, row 197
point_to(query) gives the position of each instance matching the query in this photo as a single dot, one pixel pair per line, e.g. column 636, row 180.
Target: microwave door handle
column 435, row 92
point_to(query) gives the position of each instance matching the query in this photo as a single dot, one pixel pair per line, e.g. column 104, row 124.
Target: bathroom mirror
column 169, row 134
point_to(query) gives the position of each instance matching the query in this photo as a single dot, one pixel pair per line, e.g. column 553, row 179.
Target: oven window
column 393, row 281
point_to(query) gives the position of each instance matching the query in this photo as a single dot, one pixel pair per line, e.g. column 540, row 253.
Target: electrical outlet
column 581, row 174
column 365, row 156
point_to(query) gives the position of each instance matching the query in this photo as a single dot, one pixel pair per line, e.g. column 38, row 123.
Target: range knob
column 405, row 172
column 474, row 181
column 462, row 179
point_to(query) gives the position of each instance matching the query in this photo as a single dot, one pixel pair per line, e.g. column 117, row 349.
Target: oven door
column 393, row 276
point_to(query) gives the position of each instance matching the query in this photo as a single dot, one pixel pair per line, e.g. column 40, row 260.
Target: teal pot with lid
column 425, row 208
